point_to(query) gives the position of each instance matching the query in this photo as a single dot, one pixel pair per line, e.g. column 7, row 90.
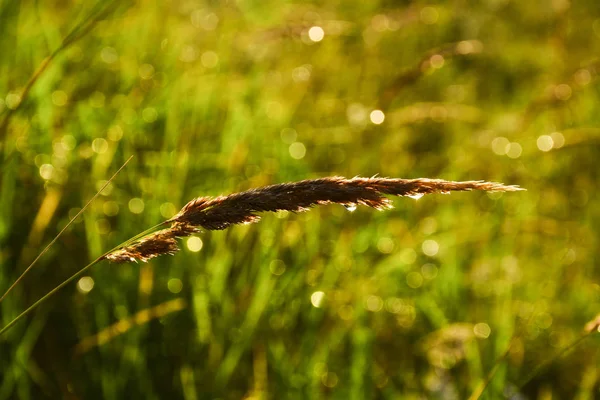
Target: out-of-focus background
column 421, row 301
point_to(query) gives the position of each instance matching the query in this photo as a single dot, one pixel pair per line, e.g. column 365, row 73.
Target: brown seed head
column 242, row 208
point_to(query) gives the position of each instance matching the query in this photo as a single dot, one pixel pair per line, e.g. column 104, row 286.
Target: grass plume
column 217, row 213
column 153, row 245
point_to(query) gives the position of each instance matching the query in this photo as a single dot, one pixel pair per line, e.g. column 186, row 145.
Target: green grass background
column 215, row 97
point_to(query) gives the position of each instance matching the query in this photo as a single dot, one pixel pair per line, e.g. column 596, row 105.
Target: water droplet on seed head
column 350, row 207
column 416, row 196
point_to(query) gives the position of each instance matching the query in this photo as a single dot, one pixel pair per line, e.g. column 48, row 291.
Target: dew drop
column 416, row 196
column 350, row 207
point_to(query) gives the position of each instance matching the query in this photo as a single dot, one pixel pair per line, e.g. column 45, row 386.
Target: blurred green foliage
column 213, row 97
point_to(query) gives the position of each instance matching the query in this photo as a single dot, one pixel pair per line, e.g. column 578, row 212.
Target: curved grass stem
column 50, row 293
column 76, row 275
column 540, row 367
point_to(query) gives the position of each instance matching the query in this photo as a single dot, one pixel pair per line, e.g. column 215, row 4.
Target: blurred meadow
column 448, row 297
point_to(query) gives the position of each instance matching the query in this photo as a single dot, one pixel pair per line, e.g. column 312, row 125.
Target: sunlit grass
column 218, row 98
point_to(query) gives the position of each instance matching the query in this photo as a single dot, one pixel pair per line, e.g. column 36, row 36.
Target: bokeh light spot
column 357, row 114
column 380, row 23
column 136, row 205
column 68, row 142
column 146, row 71
column 100, row 145
column 377, row 117
column 429, row 225
column 330, row 379
column 301, row 73
column 545, row 143
column 563, row 91
column 374, row 303
column 277, row 267
column 288, row 135
column 194, row 244
column 167, row 210
column 437, row 61
column 385, row 245
column 13, row 99
column 317, row 299
column 174, row 285
column 414, row 280
column 85, row 284
column 316, row 33
column 514, row 150
column 59, row 98
column 429, row 15
column 500, row 145
column 429, row 271
column 583, row 77
column 469, row 47
column 110, row 208
column 297, row 150
column 109, row 55
column 482, row 330
column 46, row 171
column 209, row 59
column 149, row 114
column 208, row 22
column 188, row 54
column 430, row 247
column 115, row 133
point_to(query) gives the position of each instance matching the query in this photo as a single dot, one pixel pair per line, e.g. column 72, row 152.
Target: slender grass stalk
column 488, row 379
column 591, row 327
column 538, row 368
column 479, row 390
column 45, row 297
column 76, row 275
column 64, row 229
column 81, row 271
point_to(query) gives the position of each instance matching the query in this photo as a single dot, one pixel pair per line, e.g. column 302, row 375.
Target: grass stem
column 76, row 275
